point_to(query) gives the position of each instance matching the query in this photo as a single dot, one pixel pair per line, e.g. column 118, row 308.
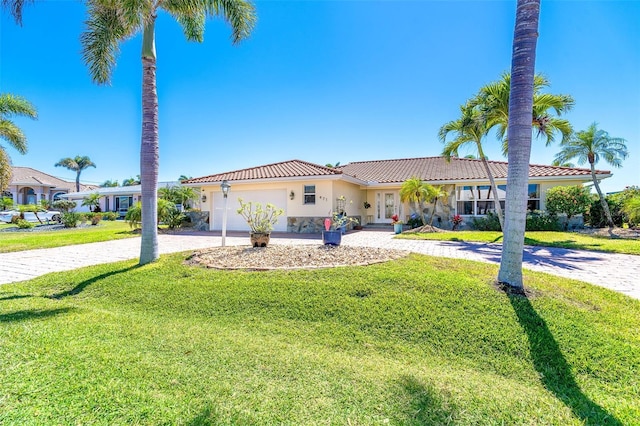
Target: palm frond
column 190, row 14
column 11, row 105
column 15, row 8
column 12, row 134
column 240, row 14
column 107, row 26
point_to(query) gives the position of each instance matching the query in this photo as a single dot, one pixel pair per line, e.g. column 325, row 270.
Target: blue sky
column 322, row 81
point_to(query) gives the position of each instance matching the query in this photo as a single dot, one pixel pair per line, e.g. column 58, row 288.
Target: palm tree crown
column 589, row 146
column 493, row 101
column 76, row 164
column 10, row 106
column 470, row 128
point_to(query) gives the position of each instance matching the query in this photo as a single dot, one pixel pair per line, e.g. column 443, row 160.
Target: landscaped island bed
column 413, row 341
column 291, row 257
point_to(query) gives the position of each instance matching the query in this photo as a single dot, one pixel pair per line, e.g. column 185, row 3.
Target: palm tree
column 76, row 164
column 15, row 8
column 111, row 22
column 470, row 128
column 93, row 201
column 437, row 194
column 493, row 101
column 10, row 106
column 519, row 135
column 416, row 191
column 109, row 183
column 6, row 172
column 131, row 181
column 589, row 146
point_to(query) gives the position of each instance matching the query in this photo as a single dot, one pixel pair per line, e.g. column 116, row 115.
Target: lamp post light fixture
column 225, row 187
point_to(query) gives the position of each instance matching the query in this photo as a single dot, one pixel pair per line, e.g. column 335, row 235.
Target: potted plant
column 260, row 220
column 397, row 224
column 334, row 227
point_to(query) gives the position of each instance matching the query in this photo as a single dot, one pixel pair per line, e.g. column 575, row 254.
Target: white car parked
column 44, row 216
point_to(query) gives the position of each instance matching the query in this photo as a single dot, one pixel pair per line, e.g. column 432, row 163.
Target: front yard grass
column 411, row 342
column 104, row 231
column 569, row 240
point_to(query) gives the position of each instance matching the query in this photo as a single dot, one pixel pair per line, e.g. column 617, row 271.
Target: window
column 533, row 201
column 479, row 200
column 309, row 194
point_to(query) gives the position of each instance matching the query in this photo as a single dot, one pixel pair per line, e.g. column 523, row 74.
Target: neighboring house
column 309, row 192
column 113, row 199
column 30, row 186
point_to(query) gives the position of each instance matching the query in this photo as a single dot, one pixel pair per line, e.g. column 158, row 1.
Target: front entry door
column 387, row 204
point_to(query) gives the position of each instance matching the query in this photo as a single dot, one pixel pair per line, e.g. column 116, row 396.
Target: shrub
column 488, row 223
column 24, row 224
column 616, row 203
column 63, row 206
column 173, row 218
column 134, row 215
column 15, row 218
column 542, row 221
column 109, row 216
column 71, row 219
column 632, row 210
column 94, row 217
column 414, row 221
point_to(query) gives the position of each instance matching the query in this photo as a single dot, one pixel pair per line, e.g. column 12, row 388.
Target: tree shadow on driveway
column 532, row 255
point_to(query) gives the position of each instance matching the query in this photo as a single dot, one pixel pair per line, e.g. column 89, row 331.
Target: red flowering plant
column 395, row 219
column 457, row 220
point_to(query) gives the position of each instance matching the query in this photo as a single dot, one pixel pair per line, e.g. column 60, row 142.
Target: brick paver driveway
column 618, row 272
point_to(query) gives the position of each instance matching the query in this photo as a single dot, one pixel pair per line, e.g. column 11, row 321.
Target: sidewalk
column 618, row 272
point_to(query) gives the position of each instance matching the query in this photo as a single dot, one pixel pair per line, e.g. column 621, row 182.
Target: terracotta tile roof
column 284, row 169
column 28, row 176
column 433, row 169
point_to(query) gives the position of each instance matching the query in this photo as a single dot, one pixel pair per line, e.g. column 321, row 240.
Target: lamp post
column 225, row 187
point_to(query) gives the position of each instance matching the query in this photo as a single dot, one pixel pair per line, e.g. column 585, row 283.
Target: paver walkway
column 618, row 272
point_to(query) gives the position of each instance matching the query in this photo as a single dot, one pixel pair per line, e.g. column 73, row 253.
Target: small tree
column 64, row 206
column 570, row 200
column 93, row 201
column 6, row 203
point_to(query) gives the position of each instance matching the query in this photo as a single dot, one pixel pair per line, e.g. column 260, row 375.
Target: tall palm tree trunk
column 149, row 149
column 494, row 188
column 77, row 180
column 519, row 137
column 603, row 201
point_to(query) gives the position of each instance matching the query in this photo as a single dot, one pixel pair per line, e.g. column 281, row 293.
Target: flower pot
column 397, row 228
column 332, row 238
column 259, row 239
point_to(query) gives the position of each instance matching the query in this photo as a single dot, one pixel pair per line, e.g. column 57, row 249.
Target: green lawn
column 419, row 341
column 104, row 231
column 570, row 240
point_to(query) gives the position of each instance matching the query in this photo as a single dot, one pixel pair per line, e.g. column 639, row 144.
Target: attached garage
column 235, row 222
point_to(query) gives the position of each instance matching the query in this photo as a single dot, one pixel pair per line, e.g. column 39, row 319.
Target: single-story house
column 30, row 186
column 370, row 190
column 113, row 199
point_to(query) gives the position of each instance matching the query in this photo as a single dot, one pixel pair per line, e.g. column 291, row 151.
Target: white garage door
column 235, row 222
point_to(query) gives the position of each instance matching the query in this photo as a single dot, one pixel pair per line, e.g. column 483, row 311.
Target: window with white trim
column 478, row 200
column 309, row 194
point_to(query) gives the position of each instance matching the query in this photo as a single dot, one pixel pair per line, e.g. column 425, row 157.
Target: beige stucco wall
column 326, row 193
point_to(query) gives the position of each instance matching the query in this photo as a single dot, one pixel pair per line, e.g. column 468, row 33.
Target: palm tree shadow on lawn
column 84, row 284
column 555, row 372
column 30, row 314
